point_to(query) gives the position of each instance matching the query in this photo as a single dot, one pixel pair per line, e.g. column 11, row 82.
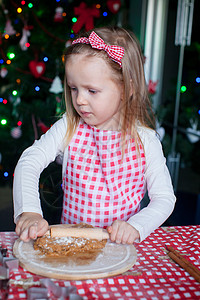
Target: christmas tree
column 33, row 37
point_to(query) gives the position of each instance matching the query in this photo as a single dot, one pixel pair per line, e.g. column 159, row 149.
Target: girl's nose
column 81, row 99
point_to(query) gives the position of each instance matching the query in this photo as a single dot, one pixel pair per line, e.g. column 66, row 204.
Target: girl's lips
column 85, row 113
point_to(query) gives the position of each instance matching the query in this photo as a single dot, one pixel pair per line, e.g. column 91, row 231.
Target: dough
column 65, row 246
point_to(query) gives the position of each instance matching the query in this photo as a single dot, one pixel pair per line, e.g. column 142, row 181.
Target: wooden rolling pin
column 89, row 233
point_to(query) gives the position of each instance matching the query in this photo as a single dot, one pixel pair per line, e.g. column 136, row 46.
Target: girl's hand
column 30, row 226
column 122, row 232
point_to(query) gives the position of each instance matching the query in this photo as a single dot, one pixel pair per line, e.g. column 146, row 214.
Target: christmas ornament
column 86, row 17
column 16, row 132
column 24, row 40
column 3, row 72
column 56, row 86
column 58, row 99
column 4, row 9
column 9, row 28
column 114, row 5
column 16, row 101
column 192, row 133
column 58, row 18
column 68, row 43
column 58, row 105
column 43, row 127
column 152, row 86
column 37, row 68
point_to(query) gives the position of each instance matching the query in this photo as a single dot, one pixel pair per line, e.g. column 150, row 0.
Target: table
column 154, row 276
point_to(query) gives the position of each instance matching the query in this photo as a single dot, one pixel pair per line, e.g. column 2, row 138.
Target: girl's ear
column 131, row 90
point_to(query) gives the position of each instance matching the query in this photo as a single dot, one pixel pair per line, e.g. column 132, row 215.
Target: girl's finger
column 24, row 236
column 33, row 231
column 132, row 238
column 119, row 236
column 114, row 232
column 109, row 229
column 125, row 238
column 43, row 226
column 17, row 230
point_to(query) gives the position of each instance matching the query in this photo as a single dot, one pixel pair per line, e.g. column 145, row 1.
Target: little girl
column 111, row 156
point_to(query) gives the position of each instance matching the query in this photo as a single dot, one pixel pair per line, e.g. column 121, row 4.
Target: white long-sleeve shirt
column 44, row 151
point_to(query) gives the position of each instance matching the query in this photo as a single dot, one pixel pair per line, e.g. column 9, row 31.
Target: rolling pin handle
column 105, row 235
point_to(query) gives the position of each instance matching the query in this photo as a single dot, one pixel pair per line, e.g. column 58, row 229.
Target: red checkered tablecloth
column 154, row 276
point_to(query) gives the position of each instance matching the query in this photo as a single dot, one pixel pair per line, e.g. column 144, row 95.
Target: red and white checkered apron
column 98, row 188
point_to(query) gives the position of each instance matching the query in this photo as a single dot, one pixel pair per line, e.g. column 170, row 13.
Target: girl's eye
column 92, row 91
column 73, row 89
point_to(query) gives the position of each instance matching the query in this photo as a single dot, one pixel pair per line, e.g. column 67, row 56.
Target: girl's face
column 96, row 97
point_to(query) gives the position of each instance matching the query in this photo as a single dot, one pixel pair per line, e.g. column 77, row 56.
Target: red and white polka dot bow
column 115, row 52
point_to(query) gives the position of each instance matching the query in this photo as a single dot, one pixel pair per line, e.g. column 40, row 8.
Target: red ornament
column 43, row 127
column 37, row 68
column 152, row 87
column 16, row 132
column 86, row 17
column 58, row 18
column 114, row 5
column 3, row 72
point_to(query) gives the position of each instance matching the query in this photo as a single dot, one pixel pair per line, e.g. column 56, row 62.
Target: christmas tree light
column 19, row 10
column 183, row 89
column 74, row 19
column 37, row 88
column 14, row 93
column 3, row 122
column 11, row 55
column 30, row 5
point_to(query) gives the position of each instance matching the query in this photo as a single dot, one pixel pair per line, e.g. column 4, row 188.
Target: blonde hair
column 136, row 108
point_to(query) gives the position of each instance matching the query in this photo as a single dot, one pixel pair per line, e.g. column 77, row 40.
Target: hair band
column 114, row 52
